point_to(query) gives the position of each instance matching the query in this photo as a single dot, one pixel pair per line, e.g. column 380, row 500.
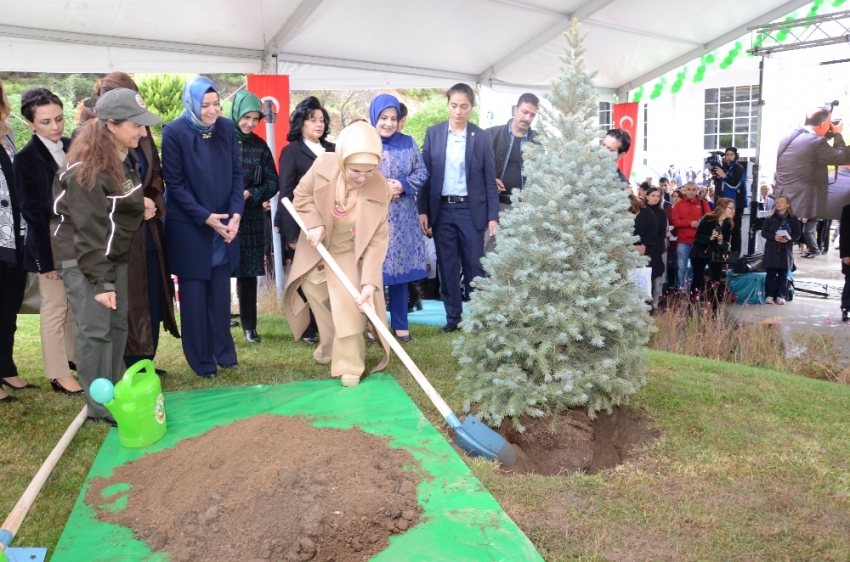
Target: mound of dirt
column 576, row 443
column 266, row 488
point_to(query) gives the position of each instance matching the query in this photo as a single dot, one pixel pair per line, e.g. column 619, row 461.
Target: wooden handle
column 16, row 517
column 379, row 324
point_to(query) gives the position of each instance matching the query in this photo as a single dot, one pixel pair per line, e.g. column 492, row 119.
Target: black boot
column 252, row 336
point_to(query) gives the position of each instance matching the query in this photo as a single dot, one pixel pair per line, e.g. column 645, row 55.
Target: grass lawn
column 752, row 465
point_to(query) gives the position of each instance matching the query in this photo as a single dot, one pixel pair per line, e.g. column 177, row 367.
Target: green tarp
column 461, row 521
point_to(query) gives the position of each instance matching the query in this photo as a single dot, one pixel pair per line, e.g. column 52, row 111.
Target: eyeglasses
column 354, row 173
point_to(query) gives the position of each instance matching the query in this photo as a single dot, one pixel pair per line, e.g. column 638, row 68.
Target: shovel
column 13, row 522
column 472, row 435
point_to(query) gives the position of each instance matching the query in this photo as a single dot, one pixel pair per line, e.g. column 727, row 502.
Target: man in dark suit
column 460, row 199
column 801, row 169
column 844, row 252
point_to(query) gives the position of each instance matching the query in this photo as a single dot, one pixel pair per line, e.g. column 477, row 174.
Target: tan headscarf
column 359, row 143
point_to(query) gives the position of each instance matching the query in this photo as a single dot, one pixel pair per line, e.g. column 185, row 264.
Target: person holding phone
column 780, row 231
column 714, row 233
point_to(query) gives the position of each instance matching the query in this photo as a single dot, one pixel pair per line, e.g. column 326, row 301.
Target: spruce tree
column 558, row 323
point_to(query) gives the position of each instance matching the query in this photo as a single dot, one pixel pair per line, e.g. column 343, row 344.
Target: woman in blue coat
column 202, row 167
column 405, row 171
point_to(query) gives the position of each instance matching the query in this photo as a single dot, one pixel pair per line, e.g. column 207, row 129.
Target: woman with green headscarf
column 260, row 186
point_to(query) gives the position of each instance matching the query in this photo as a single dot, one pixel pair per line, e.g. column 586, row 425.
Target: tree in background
column 434, row 110
column 558, row 323
column 163, row 94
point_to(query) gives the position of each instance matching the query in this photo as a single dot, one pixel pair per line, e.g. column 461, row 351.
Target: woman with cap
column 343, row 201
column 100, row 204
column 260, row 186
column 151, row 290
column 405, row 171
column 202, row 167
column 35, row 169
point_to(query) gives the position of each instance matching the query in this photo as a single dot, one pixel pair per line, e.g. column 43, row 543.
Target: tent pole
column 754, row 188
column 270, row 116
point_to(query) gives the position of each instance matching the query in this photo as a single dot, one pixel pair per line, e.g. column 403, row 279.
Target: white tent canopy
column 373, row 44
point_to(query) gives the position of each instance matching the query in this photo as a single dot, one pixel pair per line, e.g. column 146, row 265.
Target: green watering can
column 136, row 403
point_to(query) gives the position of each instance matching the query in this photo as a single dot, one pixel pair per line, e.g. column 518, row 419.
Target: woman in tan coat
column 343, row 201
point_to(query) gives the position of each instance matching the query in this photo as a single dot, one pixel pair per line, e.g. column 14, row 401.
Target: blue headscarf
column 193, row 94
column 379, row 104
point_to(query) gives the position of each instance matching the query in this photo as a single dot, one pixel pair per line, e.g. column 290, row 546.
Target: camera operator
column 801, row 167
column 730, row 182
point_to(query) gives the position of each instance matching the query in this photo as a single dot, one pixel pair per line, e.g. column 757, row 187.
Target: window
column 645, row 128
column 731, row 117
column 605, row 116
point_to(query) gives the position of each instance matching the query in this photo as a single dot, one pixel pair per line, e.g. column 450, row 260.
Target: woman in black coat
column 658, row 251
column 308, row 129
column 714, row 234
column 646, row 227
column 260, row 185
column 35, row 168
column 13, row 278
column 779, row 250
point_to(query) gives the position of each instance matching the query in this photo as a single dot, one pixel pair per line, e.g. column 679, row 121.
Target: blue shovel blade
column 17, row 554
column 477, row 439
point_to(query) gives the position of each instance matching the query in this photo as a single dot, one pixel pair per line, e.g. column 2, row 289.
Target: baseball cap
column 125, row 104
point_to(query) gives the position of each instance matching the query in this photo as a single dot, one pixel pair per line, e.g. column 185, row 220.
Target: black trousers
column 246, row 290
column 13, row 281
column 712, row 291
column 845, row 294
column 776, row 282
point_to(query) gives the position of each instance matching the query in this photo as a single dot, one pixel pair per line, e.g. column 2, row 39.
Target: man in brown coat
column 343, row 200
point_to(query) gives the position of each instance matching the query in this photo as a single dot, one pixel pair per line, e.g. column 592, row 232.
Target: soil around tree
column 577, row 443
column 266, row 488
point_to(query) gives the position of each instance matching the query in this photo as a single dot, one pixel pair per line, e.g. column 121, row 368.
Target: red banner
column 625, row 117
column 275, row 88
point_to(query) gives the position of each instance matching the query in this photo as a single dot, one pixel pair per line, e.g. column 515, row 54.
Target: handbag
column 32, row 297
column 719, row 256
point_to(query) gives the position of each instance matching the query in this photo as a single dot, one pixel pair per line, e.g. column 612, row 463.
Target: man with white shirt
column 460, row 200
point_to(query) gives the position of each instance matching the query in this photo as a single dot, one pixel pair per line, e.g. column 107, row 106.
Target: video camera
column 828, row 107
column 714, row 161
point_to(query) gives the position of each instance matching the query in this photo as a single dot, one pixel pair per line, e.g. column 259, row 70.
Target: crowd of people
column 694, row 238
column 102, row 222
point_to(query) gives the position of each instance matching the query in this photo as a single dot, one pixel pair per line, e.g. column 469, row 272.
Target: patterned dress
column 405, row 259
column 255, row 154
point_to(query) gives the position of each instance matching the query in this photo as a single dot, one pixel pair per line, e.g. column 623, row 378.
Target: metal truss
column 803, row 33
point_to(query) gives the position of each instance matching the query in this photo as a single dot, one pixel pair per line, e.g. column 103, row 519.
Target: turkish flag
column 273, row 87
column 625, row 117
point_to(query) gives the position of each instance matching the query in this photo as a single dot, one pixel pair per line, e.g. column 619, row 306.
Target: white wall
column 795, row 83
column 677, row 122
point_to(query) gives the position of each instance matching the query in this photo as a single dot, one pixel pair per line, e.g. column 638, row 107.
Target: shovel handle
column 379, row 325
column 13, row 522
